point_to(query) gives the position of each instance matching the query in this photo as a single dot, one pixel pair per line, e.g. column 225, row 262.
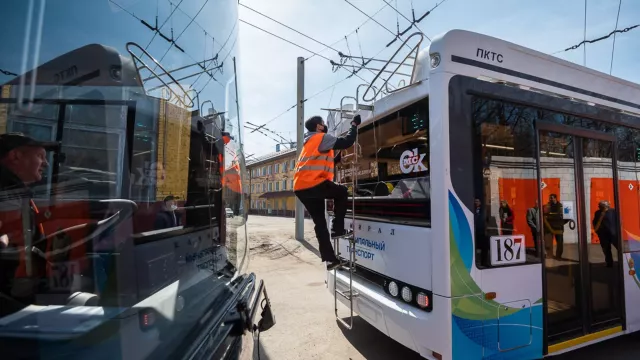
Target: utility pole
column 299, row 130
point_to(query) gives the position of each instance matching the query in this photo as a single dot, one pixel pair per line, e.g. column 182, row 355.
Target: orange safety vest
column 232, row 179
column 313, row 167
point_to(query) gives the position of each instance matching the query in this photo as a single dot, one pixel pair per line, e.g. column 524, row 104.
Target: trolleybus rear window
column 393, row 167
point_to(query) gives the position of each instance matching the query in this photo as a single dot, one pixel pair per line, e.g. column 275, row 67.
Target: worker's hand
column 356, row 120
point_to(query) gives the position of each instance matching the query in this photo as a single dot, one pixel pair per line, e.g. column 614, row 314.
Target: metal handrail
column 145, row 66
column 416, row 48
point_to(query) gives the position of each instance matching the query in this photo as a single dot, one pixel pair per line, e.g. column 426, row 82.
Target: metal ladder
column 350, row 265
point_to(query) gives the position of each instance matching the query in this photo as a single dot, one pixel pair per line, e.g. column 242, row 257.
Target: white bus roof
column 481, row 56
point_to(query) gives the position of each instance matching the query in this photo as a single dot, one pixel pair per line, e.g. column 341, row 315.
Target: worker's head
column 170, row 203
column 24, row 156
column 604, row 205
column 316, row 124
column 477, row 202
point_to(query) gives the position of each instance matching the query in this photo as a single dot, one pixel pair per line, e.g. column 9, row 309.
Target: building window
column 277, row 168
column 291, row 183
column 264, row 187
column 285, row 166
column 270, row 186
column 269, row 170
column 284, row 184
column 277, row 185
column 293, row 164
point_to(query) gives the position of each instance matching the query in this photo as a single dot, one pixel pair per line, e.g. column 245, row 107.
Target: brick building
column 271, row 183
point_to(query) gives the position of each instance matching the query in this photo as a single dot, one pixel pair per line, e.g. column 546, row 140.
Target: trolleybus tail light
column 393, row 288
column 407, row 295
column 422, row 299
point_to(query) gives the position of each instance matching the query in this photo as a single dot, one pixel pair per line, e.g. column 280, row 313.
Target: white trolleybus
column 495, row 204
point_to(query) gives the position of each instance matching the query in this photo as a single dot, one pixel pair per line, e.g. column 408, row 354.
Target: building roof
column 270, row 157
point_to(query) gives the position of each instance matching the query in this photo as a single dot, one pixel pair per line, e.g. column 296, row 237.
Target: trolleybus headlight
column 422, row 299
column 393, row 288
column 406, row 294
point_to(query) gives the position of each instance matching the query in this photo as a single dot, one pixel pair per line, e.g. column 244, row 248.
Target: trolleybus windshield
column 116, row 166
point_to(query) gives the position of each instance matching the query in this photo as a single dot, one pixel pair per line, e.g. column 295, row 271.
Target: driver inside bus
column 22, row 163
column 313, row 181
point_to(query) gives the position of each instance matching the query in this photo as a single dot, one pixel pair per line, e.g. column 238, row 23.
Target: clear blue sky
column 269, row 65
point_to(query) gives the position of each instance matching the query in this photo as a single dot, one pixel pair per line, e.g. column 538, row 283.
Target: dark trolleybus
column 120, row 248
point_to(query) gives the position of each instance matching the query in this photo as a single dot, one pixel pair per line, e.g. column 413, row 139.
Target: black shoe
column 331, row 265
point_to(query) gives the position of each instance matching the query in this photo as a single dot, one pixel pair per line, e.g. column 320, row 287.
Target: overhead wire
column 352, row 32
column 353, row 73
column 183, row 30
column 574, row 47
column 228, row 53
column 414, row 22
column 9, row 73
column 370, row 17
column 125, row 10
column 186, row 53
column 302, row 34
column 288, row 27
column 584, row 58
column 283, row 39
column 613, row 47
column 164, row 23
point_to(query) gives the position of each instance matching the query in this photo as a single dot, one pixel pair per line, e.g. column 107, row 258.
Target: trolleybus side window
column 393, row 166
column 505, row 174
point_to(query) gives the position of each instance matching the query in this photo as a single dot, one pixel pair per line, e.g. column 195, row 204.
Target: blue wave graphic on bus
column 484, row 328
column 461, row 231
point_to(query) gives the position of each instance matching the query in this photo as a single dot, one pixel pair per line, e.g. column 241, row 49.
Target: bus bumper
column 393, row 317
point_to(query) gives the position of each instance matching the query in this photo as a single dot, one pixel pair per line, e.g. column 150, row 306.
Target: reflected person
column 604, row 224
column 533, row 218
column 554, row 226
column 23, row 160
column 167, row 216
column 506, row 218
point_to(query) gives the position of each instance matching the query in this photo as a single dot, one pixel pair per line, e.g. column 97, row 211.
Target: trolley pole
column 300, row 139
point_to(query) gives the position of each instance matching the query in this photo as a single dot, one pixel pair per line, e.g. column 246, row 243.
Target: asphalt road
column 305, row 323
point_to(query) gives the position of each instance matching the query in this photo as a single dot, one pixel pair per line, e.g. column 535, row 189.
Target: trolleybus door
column 583, row 291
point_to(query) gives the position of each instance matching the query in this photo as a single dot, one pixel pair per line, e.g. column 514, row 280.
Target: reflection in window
column 505, row 180
column 392, row 164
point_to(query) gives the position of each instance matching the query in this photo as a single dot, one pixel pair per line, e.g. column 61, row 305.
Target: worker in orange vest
column 313, row 181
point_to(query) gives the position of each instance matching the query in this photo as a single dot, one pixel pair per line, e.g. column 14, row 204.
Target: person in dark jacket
column 533, row 216
column 506, row 218
column 167, row 217
column 554, row 226
column 604, row 224
column 22, row 270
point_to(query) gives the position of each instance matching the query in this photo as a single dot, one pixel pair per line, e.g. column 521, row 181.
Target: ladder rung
column 346, row 295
